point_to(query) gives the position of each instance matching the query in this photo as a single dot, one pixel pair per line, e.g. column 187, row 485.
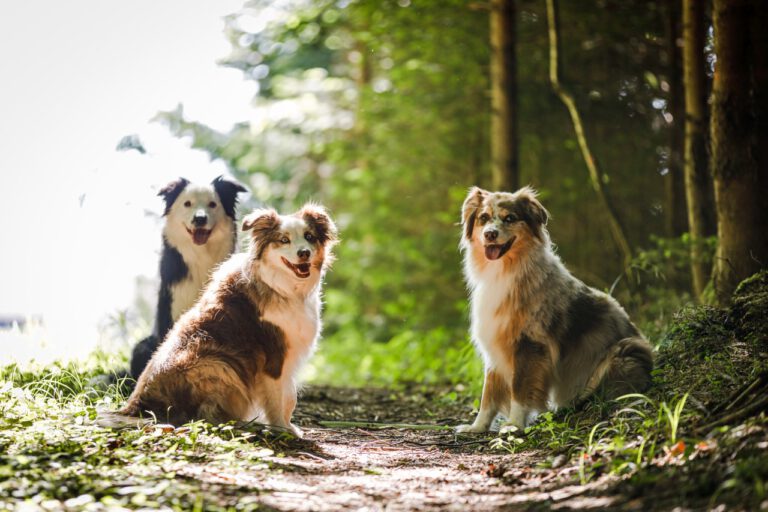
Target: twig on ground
column 739, row 394
column 741, row 413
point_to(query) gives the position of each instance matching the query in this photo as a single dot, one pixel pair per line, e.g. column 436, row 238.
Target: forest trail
column 347, row 467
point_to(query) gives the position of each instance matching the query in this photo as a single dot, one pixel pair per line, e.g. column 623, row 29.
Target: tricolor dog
column 199, row 233
column 235, row 355
column 547, row 339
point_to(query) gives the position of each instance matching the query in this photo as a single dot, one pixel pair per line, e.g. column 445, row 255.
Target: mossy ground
column 697, row 439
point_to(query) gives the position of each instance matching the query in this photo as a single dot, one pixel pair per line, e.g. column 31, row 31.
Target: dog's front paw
column 296, row 431
column 470, row 429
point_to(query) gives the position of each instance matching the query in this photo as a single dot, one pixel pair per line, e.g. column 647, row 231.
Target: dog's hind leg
column 496, row 398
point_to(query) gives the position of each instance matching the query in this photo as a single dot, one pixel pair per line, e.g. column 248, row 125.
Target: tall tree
column 504, row 131
column 595, row 174
column 698, row 183
column 676, row 216
column 738, row 130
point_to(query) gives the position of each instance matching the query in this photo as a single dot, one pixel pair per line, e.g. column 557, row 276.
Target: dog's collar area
column 301, row 269
column 496, row 251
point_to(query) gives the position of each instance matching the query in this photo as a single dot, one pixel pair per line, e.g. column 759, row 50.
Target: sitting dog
column 199, row 233
column 235, row 355
column 547, row 339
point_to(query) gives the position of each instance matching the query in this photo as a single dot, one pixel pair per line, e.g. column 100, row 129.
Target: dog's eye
column 187, row 203
column 509, row 219
column 485, row 218
column 309, row 237
column 212, row 204
column 285, row 240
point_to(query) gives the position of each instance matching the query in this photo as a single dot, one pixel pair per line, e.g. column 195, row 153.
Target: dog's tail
column 626, row 370
column 120, row 420
column 630, row 369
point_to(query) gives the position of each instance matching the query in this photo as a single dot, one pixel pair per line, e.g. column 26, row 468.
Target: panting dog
column 235, row 355
column 546, row 338
column 199, row 233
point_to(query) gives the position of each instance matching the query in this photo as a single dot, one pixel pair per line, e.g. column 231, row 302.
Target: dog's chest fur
column 299, row 319
column 492, row 305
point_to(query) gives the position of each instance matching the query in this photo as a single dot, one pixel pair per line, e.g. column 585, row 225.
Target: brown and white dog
column 235, row 355
column 547, row 339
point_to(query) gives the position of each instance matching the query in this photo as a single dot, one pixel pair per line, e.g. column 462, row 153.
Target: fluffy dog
column 547, row 339
column 236, row 353
column 199, row 233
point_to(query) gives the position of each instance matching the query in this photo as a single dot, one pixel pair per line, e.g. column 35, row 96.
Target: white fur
column 296, row 311
column 200, row 259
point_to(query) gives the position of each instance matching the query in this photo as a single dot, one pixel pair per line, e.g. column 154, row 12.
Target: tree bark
column 504, row 131
column 676, row 215
column 698, row 184
column 738, row 129
column 596, row 176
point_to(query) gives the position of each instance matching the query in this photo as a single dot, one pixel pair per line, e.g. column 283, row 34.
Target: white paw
column 470, row 429
column 295, row 430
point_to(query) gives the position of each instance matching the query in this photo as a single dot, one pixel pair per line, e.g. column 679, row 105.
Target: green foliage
column 54, row 457
column 380, row 110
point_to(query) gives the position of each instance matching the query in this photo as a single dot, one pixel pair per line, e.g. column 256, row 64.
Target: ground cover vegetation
column 696, row 439
column 382, row 111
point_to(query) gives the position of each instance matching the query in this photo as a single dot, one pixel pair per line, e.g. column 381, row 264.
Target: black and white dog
column 198, row 235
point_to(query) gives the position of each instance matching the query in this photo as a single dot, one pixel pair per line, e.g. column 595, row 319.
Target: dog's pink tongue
column 200, row 236
column 492, row 252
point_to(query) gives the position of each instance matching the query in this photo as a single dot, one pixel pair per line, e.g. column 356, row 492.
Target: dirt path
column 350, row 468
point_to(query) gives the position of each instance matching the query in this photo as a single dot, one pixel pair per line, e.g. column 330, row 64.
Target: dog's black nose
column 199, row 220
column 303, row 254
column 491, row 235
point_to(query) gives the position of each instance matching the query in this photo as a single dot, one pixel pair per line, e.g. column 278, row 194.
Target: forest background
column 388, row 111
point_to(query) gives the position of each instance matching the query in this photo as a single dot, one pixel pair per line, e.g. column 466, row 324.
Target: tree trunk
column 738, row 129
column 595, row 174
column 504, row 135
column 698, row 184
column 676, row 216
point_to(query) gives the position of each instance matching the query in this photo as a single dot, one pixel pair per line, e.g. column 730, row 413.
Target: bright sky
column 76, row 77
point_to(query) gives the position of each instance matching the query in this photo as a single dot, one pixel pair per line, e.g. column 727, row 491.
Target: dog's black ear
column 319, row 222
column 534, row 212
column 227, row 191
column 472, row 204
column 261, row 221
column 171, row 191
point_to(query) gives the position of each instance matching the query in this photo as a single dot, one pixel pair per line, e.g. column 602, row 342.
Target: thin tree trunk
column 504, row 132
column 595, row 174
column 674, row 181
column 738, row 155
column 698, row 184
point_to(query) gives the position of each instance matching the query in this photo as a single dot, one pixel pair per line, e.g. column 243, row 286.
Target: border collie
column 547, row 339
column 199, row 233
column 235, row 355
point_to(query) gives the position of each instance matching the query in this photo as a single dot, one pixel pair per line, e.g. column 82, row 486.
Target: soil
column 380, row 467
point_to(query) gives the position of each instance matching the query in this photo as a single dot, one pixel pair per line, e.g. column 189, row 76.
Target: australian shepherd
column 235, row 355
column 199, row 233
column 546, row 338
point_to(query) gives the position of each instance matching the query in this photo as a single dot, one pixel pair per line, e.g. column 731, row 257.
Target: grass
column 670, row 443
column 55, row 457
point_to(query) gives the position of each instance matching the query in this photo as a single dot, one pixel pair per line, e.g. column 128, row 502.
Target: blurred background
column 382, row 110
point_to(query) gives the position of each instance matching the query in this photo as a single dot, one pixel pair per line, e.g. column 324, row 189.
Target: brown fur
column 217, row 355
column 551, row 336
column 223, row 361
